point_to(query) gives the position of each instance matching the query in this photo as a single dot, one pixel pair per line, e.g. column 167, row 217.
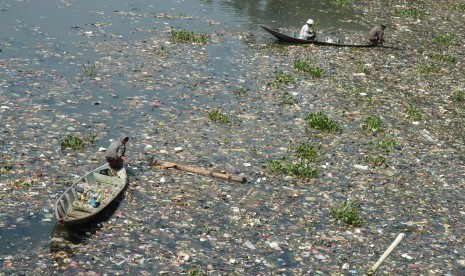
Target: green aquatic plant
column 254, row 153
column 321, row 121
column 89, row 69
column 217, row 117
column 303, row 66
column 306, row 154
column 91, row 138
column 428, row 68
column 408, row 12
column 276, row 166
column 362, row 68
column 72, row 142
column 457, row 7
column 372, row 124
column 385, row 144
column 444, row 39
column 76, row 143
column 348, row 212
column 186, row 36
column 287, row 99
column 194, row 271
column 303, row 170
column 459, row 95
column 412, row 112
column 300, row 170
column 446, row 58
column 160, row 52
column 376, row 160
column 341, row 3
column 316, row 72
column 377, row 156
column 282, row 78
column 316, row 25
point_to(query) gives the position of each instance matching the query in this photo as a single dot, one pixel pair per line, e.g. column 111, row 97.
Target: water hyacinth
column 186, row 36
column 321, row 121
column 348, row 212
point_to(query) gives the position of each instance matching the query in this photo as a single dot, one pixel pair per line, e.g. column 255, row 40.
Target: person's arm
column 125, row 160
column 313, row 34
column 121, row 153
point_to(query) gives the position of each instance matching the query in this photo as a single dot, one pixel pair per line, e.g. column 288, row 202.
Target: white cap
column 310, row 21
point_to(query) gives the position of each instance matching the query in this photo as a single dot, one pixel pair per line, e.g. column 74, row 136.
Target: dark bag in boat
column 104, row 172
column 79, row 189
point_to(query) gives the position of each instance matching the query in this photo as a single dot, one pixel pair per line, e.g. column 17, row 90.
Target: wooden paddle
column 220, row 175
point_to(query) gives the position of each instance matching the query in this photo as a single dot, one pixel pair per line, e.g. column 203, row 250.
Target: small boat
column 90, row 194
column 291, row 39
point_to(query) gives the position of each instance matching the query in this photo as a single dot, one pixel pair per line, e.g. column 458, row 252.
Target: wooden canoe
column 291, row 39
column 90, row 194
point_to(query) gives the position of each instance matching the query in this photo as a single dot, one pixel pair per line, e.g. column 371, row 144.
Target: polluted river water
column 95, row 70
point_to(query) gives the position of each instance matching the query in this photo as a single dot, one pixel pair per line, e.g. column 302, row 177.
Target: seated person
column 376, row 35
column 307, row 32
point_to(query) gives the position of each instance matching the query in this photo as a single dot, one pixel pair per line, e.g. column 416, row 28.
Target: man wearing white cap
column 307, row 32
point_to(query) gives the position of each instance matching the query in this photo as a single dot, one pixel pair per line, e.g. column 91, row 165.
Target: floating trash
column 119, row 71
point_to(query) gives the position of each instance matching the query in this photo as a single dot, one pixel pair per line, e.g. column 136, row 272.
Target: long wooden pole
column 220, row 175
column 373, row 269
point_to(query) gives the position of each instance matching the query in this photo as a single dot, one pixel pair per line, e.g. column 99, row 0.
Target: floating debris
column 408, row 175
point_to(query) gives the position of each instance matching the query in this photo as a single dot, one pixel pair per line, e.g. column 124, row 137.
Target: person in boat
column 376, row 35
column 307, row 31
column 116, row 151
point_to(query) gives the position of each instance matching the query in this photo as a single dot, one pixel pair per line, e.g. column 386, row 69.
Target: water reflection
column 245, row 15
column 293, row 13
